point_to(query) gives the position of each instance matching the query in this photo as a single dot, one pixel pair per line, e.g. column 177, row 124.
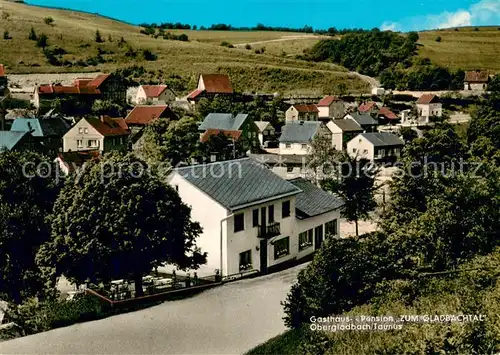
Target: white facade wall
column 428, row 110
column 167, row 96
column 475, row 86
column 337, row 135
column 361, row 147
column 84, row 132
column 324, row 111
column 295, row 148
column 304, row 225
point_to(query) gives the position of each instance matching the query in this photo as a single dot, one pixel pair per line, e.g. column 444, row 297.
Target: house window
column 288, row 145
column 289, row 169
column 282, row 248
column 246, row 260
column 85, row 130
column 255, row 217
column 331, row 227
column 306, row 239
column 285, row 209
column 271, row 214
column 354, row 150
column 80, row 130
column 79, row 143
column 365, row 151
column 304, row 146
column 239, row 222
column 92, row 143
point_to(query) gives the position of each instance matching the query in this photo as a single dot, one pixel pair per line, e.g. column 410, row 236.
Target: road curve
column 230, row 319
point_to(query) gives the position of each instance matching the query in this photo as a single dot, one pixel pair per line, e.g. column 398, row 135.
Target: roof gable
column 388, row 114
column 154, row 90
column 9, row 139
column 313, row 201
column 363, row 119
column 327, row 101
column 41, row 127
column 217, row 83
column 427, row 99
column 263, row 125
column 367, row 106
column 306, row 108
column 347, row 125
column 98, row 80
column 382, row 139
column 144, row 114
column 236, row 184
column 108, row 126
column 223, row 121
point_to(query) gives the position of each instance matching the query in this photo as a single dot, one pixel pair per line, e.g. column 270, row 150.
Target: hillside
column 465, row 48
column 75, row 33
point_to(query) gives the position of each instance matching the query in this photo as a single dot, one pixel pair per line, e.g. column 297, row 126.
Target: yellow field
column 465, row 48
column 75, row 33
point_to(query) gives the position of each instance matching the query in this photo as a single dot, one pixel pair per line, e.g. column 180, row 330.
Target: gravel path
column 230, row 319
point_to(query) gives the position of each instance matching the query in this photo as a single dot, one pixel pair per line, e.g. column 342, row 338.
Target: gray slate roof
column 238, row 183
column 299, row 132
column 363, row 119
column 383, row 139
column 313, row 201
column 348, row 125
column 224, row 121
column 9, row 139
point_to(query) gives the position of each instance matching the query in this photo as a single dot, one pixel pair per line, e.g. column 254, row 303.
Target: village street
column 230, row 319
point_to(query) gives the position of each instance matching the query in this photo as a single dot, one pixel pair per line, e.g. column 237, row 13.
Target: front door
column 263, row 241
column 318, row 237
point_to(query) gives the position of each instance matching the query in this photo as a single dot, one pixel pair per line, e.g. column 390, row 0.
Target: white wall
column 324, row 111
column 73, row 135
column 304, row 225
column 360, row 147
column 475, row 86
column 337, row 135
column 295, row 148
column 428, row 110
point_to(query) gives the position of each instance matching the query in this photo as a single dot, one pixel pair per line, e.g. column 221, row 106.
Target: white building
column 296, row 137
column 149, row 94
column 302, row 113
column 476, row 80
column 266, row 131
column 343, row 131
column 375, row 146
column 428, row 106
column 252, row 218
column 331, row 107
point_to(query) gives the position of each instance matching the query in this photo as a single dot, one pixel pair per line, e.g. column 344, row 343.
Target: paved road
column 284, row 38
column 230, row 319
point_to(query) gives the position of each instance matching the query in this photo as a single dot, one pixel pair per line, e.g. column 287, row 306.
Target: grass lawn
column 75, row 33
column 465, row 48
column 284, row 344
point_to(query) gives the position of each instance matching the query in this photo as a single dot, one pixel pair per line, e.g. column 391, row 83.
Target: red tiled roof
column 367, row 106
column 154, row 90
column 73, row 160
column 384, row 111
column 81, row 82
column 194, row 94
column 327, row 101
column 2, row 70
column 144, row 115
column 69, row 90
column 426, row 99
column 306, row 108
column 98, row 80
column 234, row 134
column 217, row 83
column 478, row 76
column 108, row 126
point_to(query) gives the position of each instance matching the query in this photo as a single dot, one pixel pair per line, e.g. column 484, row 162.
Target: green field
column 75, row 33
column 466, row 48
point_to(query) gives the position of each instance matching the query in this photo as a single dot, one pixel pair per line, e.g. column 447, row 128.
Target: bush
column 6, row 35
column 247, row 46
column 42, row 41
column 48, row 20
column 32, row 36
column 438, row 39
column 226, row 44
column 148, row 55
column 98, row 37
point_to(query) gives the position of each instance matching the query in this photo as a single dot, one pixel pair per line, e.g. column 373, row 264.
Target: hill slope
column 75, row 33
column 465, row 48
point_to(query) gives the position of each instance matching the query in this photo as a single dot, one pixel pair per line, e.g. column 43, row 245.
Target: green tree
column 353, row 180
column 28, row 189
column 494, row 84
column 42, row 41
column 6, row 35
column 48, row 21
column 107, row 108
column 116, row 212
column 98, row 37
column 32, row 36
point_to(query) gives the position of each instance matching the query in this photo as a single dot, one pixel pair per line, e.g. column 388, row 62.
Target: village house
column 285, row 166
column 428, row 105
column 386, row 116
column 210, row 85
column 331, row 107
column 252, row 218
column 342, row 132
column 266, row 131
column 70, row 162
column 302, row 113
column 370, row 108
column 104, row 134
column 476, row 80
column 48, row 132
column 367, row 122
column 83, row 90
column 18, row 142
column 143, row 115
column 297, row 136
column 154, row 94
column 228, row 122
column 375, row 146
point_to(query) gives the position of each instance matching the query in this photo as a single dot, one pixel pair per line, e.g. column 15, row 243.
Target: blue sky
column 401, row 15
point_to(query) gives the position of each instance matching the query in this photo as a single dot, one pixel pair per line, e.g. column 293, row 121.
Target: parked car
column 271, row 144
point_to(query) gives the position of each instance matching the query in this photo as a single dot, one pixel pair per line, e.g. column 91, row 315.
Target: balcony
column 269, row 231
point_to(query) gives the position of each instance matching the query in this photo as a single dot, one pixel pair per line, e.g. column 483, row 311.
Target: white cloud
column 485, row 12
